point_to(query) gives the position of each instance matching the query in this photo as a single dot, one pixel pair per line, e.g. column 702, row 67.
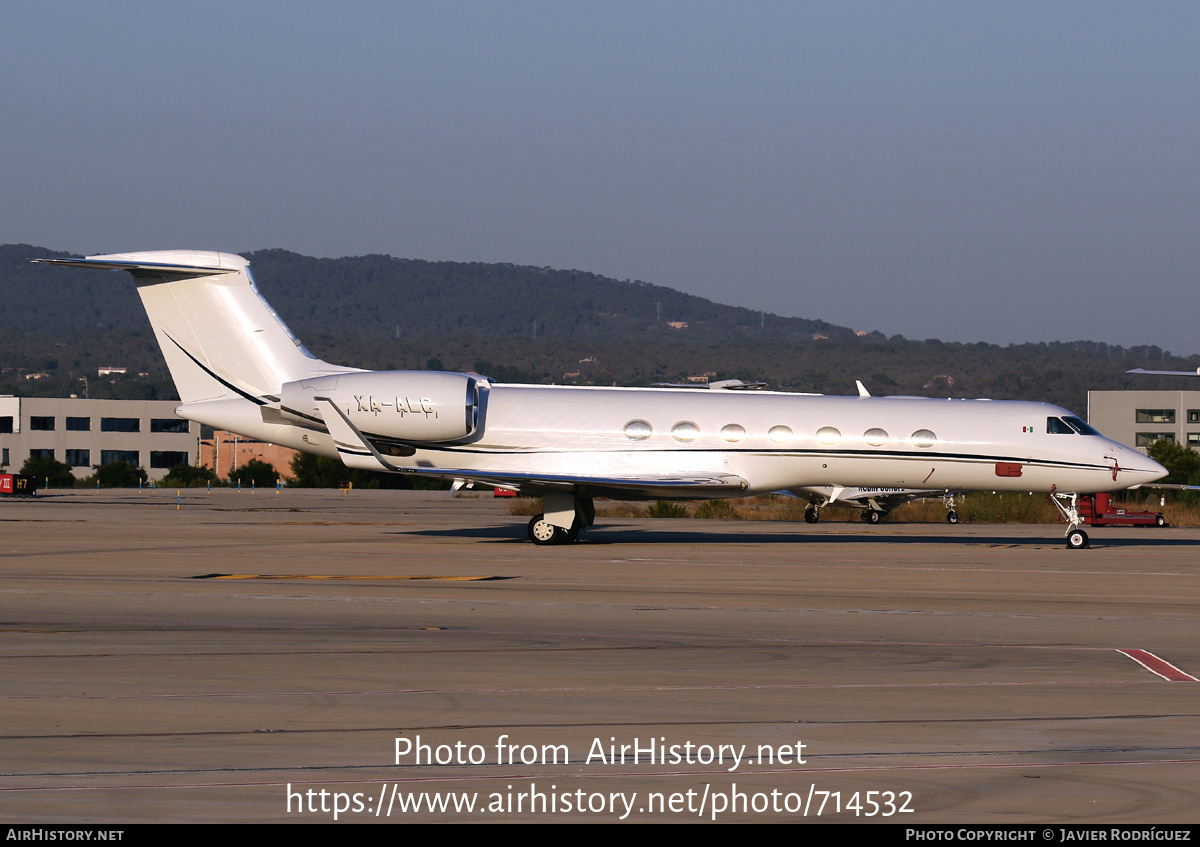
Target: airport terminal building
column 83, row 433
column 1139, row 418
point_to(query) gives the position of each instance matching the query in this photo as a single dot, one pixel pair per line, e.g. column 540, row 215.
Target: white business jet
column 238, row 367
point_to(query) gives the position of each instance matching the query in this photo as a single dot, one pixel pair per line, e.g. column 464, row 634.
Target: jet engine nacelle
column 405, row 405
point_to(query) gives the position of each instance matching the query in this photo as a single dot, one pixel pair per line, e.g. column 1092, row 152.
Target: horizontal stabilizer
column 205, row 267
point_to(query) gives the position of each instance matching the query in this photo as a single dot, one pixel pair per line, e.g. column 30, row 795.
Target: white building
column 83, row 433
column 1139, row 418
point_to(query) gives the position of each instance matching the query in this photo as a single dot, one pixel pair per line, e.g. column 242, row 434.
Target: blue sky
column 1001, row 171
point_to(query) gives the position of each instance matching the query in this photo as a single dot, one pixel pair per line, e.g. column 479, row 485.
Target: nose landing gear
column 1077, row 539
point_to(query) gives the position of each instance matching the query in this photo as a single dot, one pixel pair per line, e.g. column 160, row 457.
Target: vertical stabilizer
column 218, row 335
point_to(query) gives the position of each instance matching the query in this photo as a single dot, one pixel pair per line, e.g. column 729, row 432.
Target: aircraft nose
column 1142, row 468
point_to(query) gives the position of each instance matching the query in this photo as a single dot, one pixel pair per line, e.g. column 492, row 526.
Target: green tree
column 184, row 475
column 257, row 472
column 118, row 474
column 1183, row 462
column 43, row 468
column 311, row 471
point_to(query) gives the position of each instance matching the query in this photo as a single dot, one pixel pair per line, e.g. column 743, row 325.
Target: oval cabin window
column 638, row 430
column 780, row 434
column 685, row 431
column 924, row 438
column 733, row 432
column 829, row 435
column 876, row 437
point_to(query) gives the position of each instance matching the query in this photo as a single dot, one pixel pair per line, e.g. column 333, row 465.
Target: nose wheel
column 1077, row 539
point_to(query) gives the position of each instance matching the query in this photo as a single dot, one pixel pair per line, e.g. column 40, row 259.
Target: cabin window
column 1055, row 426
column 638, row 430
column 1079, row 426
column 1155, row 416
column 685, row 431
column 924, row 438
column 876, row 437
column 733, row 432
column 829, row 435
column 780, row 434
column 1145, row 439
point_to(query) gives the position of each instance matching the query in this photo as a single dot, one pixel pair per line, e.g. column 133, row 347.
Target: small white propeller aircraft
column 238, row 367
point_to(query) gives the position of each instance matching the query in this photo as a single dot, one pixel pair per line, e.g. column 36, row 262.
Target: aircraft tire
column 952, row 516
column 811, row 515
column 543, row 533
column 1077, row 539
column 872, row 517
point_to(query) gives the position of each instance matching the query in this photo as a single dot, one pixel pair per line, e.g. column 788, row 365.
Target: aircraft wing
column 1165, row 373
column 863, row 497
column 357, row 452
column 665, row 487
column 1169, row 486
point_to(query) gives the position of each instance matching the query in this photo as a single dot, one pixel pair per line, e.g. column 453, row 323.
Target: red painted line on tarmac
column 1158, row 666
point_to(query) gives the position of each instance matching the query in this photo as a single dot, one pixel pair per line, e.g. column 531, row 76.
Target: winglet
column 354, row 450
column 862, row 389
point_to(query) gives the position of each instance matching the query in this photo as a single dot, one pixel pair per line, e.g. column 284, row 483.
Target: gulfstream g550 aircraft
column 238, row 367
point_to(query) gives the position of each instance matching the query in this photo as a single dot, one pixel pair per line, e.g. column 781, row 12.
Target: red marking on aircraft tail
column 1157, row 666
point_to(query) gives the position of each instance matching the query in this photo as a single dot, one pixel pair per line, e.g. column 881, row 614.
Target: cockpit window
column 1055, row 426
column 1080, row 427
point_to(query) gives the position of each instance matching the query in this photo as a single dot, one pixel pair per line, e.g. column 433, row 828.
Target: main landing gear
column 1077, row 539
column 542, row 532
column 951, row 515
column 547, row 528
column 812, row 514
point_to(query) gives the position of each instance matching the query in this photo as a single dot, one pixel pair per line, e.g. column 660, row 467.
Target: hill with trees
column 525, row 324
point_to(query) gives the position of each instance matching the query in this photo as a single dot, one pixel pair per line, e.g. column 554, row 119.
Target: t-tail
column 228, row 351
